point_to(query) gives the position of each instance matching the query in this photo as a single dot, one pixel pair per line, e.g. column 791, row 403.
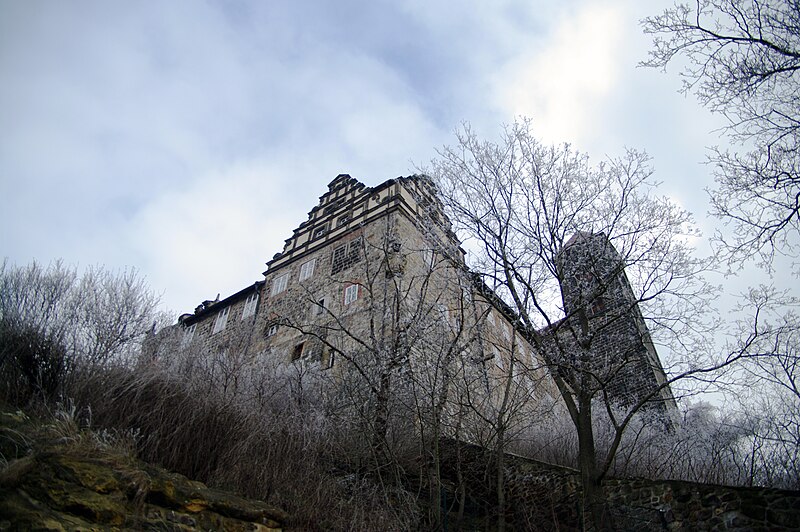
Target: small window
column 466, row 294
column 297, row 352
column 335, row 204
column 429, row 258
column 320, row 231
column 272, row 329
column 319, row 307
column 188, row 334
column 221, row 321
column 327, row 359
column 279, row 284
column 444, row 314
column 498, row 358
column 307, row 269
column 343, row 220
column 350, row 294
column 250, row 305
column 598, row 307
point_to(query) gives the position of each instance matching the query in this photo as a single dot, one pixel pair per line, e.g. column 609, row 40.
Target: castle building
column 375, row 279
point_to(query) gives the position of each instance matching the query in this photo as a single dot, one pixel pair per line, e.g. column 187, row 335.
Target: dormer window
column 188, row 334
column 250, row 305
column 221, row 321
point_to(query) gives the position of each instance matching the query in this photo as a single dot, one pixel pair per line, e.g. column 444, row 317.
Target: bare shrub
column 53, row 322
column 278, row 438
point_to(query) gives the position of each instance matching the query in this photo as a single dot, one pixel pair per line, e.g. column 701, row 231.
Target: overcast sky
column 188, row 138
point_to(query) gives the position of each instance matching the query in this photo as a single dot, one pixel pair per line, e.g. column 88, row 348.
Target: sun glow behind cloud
column 562, row 78
column 189, row 138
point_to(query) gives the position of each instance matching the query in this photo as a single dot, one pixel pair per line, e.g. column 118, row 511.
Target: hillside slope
column 57, row 477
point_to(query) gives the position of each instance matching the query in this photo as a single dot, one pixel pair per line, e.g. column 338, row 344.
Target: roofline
column 189, row 319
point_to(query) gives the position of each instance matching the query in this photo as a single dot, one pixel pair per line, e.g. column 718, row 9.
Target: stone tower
column 602, row 311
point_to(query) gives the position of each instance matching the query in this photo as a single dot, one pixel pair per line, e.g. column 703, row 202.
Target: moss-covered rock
column 56, row 481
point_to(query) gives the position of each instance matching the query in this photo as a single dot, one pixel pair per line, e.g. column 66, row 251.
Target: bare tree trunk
column 593, row 508
column 435, row 484
column 501, row 477
column 381, row 424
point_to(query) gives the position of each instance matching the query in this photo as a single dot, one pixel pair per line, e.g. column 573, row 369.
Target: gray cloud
column 189, row 138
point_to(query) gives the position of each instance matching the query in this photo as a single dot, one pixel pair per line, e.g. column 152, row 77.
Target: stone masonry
column 377, row 271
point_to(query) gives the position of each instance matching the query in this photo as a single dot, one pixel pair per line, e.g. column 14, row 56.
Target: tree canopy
column 741, row 58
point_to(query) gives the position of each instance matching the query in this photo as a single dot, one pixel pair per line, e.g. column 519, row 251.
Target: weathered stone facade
column 377, row 273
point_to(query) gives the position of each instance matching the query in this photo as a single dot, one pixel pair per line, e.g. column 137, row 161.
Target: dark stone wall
column 604, row 324
column 543, row 496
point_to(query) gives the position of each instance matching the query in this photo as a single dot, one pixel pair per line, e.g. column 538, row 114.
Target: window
column 319, row 307
column 188, row 334
column 307, row 269
column 598, row 307
column 343, row 220
column 350, row 293
column 272, row 329
column 327, row 359
column 498, row 358
column 320, row 231
column 222, row 320
column 250, row 305
column 466, row 294
column 428, row 257
column 333, row 206
column 279, row 284
column 297, row 352
column 346, row 255
column 444, row 314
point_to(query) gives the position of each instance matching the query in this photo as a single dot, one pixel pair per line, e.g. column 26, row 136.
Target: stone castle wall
column 543, row 496
column 337, row 270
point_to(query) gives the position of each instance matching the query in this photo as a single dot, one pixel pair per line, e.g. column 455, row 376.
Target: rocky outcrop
column 57, row 481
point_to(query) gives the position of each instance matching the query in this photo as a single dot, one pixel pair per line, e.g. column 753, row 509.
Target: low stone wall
column 678, row 505
column 543, row 496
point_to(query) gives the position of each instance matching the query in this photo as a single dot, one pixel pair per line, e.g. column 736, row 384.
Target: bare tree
column 55, row 321
column 386, row 322
column 744, row 63
column 408, row 351
column 768, row 335
column 520, row 204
